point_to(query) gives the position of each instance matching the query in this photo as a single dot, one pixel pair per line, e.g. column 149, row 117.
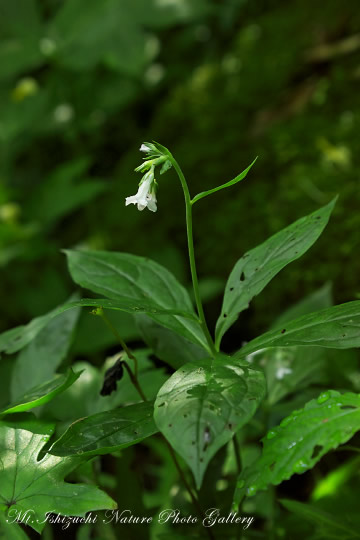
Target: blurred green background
column 84, row 82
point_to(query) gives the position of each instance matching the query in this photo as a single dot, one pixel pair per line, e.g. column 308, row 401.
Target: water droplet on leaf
column 300, row 466
column 251, row 491
column 324, row 396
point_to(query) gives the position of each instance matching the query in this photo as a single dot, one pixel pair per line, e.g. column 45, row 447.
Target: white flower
column 145, row 197
column 144, row 148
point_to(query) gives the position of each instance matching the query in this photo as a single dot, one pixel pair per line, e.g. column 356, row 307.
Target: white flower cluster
column 146, row 194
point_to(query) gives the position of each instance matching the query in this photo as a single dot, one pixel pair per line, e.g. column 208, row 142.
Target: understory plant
column 225, row 428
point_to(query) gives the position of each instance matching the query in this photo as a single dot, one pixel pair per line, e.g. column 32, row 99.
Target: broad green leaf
column 319, row 299
column 235, row 180
column 330, row 526
column 38, row 487
column 171, row 348
column 142, row 283
column 256, row 268
column 301, row 440
column 42, row 393
column 290, row 369
column 15, row 339
column 337, row 327
column 38, row 361
column 203, row 404
column 106, row 432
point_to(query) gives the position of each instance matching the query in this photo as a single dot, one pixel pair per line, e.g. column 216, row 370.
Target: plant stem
column 187, row 485
column 101, row 313
column 190, row 239
column 133, row 377
column 135, row 382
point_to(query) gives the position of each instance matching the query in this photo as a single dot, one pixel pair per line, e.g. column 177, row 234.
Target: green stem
column 195, row 501
column 135, row 382
column 100, row 312
column 190, row 239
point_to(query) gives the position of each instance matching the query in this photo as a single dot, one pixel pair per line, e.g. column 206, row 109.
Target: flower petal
column 144, row 148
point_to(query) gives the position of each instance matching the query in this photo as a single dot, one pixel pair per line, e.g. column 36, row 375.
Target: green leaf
column 337, row 327
column 301, row 440
column 256, row 268
column 330, row 525
column 38, row 487
column 106, row 432
column 141, row 283
column 42, row 393
column 203, row 404
column 15, row 339
column 38, row 361
column 167, row 346
column 291, row 369
column 235, row 180
column 319, row 299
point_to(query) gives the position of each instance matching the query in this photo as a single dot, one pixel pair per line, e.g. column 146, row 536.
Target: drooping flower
column 146, row 195
column 156, row 155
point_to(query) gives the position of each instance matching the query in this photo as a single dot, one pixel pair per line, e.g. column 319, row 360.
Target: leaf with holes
column 203, row 404
column 337, row 327
column 301, row 440
column 106, row 432
column 256, row 268
column 42, row 393
column 35, row 487
column 122, row 276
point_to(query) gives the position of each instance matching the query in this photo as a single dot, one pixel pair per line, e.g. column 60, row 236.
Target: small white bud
column 144, row 148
